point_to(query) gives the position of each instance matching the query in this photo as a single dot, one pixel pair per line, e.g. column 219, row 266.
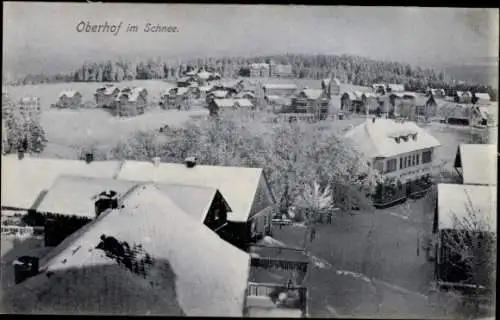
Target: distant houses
column 401, row 151
column 271, row 69
column 259, row 70
column 105, row 95
column 176, row 98
column 69, row 99
column 130, row 102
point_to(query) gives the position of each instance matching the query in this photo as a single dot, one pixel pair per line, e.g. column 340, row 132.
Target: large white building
column 401, row 151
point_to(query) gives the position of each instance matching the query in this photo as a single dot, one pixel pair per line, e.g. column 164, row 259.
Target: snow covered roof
column 456, row 201
column 396, row 87
column 244, row 94
column 219, row 93
column 182, row 90
column 108, row 89
column 76, row 196
column 25, row 181
column 280, row 86
column 238, row 185
column 204, row 75
column 225, row 103
column 188, row 271
column 244, row 103
column 378, row 139
column 352, row 95
column 28, row 100
column 483, row 97
column 478, row 163
column 206, row 88
column 131, row 93
column 312, row 94
column 68, row 93
column 259, row 66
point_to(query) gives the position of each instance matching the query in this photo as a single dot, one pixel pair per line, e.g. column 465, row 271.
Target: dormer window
column 397, row 139
column 405, row 138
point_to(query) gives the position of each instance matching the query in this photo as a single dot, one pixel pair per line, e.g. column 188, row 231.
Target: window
column 400, row 163
column 418, row 158
column 427, row 156
column 413, row 160
column 408, row 161
column 392, row 165
column 378, row 165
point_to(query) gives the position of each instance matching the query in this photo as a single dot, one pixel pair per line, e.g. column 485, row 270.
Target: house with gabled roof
column 313, row 101
column 75, row 197
column 69, row 99
column 142, row 258
column 130, row 102
column 105, row 95
column 401, row 151
column 476, row 164
column 246, row 191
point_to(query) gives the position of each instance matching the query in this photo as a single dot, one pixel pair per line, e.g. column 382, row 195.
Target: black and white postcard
column 249, row 160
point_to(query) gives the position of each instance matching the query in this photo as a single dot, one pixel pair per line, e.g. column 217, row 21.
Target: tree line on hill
column 347, row 68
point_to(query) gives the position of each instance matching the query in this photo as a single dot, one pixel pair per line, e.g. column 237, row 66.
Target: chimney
column 25, row 267
column 190, row 162
column 373, row 120
column 107, row 200
column 20, row 154
column 156, row 161
column 89, row 157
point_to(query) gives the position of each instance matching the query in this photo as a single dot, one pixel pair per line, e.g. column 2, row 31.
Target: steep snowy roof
column 208, row 277
column 238, row 185
column 378, row 139
column 76, row 196
column 457, row 202
column 478, row 163
column 25, row 181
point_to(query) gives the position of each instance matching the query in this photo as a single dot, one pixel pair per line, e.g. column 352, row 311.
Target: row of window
column 409, row 161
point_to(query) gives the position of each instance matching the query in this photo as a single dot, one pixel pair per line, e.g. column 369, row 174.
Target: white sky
column 42, row 36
